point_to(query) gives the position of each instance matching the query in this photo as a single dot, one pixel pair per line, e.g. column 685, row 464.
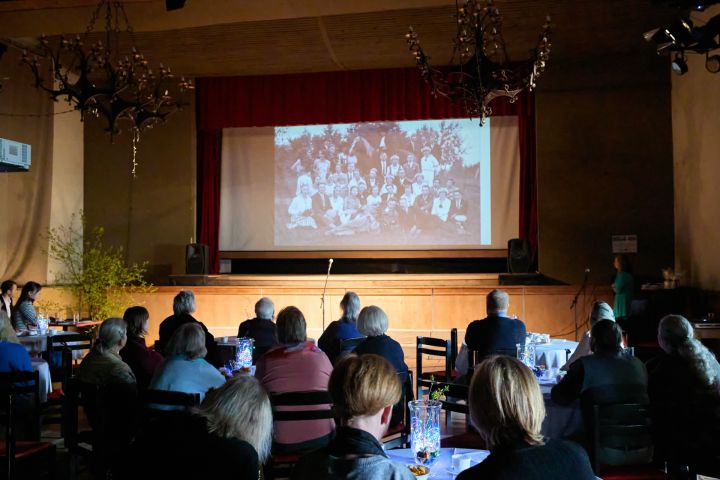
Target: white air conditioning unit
column 14, row 156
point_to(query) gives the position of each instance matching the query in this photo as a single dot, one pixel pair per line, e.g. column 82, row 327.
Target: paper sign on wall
column 624, row 243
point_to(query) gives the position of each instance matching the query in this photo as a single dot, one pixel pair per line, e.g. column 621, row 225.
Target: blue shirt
column 330, row 341
column 179, row 374
column 14, row 358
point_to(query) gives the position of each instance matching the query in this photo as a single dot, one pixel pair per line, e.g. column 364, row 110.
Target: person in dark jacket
column 684, row 390
column 262, row 329
column 7, row 293
column 331, row 340
column 495, row 334
column 183, row 308
column 508, row 410
column 142, row 360
column 373, row 323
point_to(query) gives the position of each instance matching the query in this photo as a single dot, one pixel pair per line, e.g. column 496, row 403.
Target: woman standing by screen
column 623, row 287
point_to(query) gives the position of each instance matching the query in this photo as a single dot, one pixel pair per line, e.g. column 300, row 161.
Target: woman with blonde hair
column 507, row 408
column 228, row 436
column 684, row 391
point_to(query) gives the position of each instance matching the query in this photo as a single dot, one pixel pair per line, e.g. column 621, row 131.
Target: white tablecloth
column 554, row 354
column 442, row 468
column 43, row 369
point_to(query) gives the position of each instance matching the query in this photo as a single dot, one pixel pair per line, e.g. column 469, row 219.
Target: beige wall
column 604, row 149
column 151, row 216
column 25, row 196
column 696, row 151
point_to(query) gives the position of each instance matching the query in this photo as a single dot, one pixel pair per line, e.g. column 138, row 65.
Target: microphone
column 322, row 299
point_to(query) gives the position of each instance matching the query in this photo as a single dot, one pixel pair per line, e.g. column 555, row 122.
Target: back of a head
column 606, row 337
column 676, row 337
column 506, row 404
column 6, row 286
column 135, row 318
column 265, row 309
column 350, row 304
column 187, row 341
column 601, row 311
column 372, row 321
column 240, row 409
column 291, row 326
column 497, row 302
column 110, row 333
column 363, row 385
column 184, row 303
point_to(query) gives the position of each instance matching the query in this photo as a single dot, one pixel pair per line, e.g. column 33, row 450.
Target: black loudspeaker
column 197, row 259
column 518, row 260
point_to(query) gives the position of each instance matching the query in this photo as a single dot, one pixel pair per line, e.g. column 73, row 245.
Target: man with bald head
column 495, row 334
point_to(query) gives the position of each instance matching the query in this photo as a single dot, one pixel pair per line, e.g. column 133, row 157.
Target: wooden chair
column 398, row 436
column 32, row 459
column 437, row 347
column 60, row 352
column 283, row 463
column 623, row 430
column 150, row 399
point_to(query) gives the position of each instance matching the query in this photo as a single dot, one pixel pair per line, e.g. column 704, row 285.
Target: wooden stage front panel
column 416, row 304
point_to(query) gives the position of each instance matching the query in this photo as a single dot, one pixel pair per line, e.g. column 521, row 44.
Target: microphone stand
column 322, row 299
column 573, row 305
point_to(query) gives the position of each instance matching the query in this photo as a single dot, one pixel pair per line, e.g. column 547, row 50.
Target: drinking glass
column 425, row 431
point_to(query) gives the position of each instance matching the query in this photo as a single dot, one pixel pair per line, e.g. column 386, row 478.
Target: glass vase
column 425, row 431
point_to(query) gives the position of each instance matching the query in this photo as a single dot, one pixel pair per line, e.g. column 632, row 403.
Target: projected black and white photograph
column 382, row 183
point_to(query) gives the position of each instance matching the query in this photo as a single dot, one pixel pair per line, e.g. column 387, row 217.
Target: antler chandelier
column 483, row 69
column 98, row 80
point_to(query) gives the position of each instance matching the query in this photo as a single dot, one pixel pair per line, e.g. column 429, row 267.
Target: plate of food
column 420, row 472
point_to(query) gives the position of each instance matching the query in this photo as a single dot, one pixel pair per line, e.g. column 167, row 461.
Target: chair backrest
column 60, row 352
column 453, row 347
column 12, row 385
column 474, row 357
column 301, row 399
column 456, row 397
column 437, row 347
column 621, row 435
column 150, row 398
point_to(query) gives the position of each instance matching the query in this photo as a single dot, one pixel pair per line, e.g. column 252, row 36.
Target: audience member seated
column 508, row 410
column 495, row 334
column 103, row 364
column 330, row 341
column 607, row 377
column 15, row 358
column 296, row 365
column 185, row 369
column 373, row 323
column 262, row 329
column 183, row 308
column 364, row 390
column 7, row 293
column 142, row 360
column 24, row 315
column 684, row 390
column 228, row 437
column 600, row 311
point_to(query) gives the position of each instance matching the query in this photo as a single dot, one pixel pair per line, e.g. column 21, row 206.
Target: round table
column 442, row 468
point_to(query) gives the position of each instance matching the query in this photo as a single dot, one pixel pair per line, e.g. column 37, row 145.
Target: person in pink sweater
column 296, row 365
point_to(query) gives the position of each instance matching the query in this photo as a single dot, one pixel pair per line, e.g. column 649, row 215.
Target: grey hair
column 240, row 409
column 372, row 321
column 601, row 311
column 350, row 304
column 497, row 302
column 291, row 326
column 265, row 309
column 675, row 335
column 188, row 341
column 184, row 302
column 110, row 333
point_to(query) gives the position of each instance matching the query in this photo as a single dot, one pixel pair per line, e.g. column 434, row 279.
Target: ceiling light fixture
column 481, row 67
column 98, row 80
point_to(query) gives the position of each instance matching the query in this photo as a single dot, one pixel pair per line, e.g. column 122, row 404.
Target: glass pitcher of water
column 526, row 354
column 425, row 431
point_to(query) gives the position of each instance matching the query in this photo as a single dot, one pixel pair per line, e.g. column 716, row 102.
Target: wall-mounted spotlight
column 679, row 65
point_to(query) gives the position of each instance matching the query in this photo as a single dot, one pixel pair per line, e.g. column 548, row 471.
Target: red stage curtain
column 333, row 97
